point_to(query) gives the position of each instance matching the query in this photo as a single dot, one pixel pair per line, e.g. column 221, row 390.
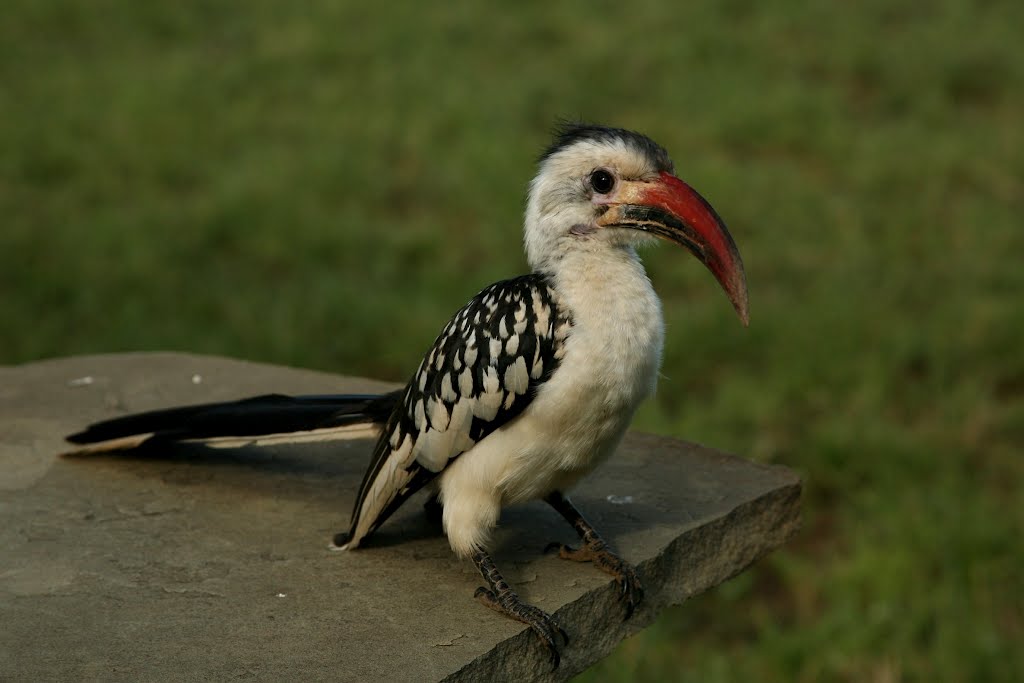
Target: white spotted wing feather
column 482, row 371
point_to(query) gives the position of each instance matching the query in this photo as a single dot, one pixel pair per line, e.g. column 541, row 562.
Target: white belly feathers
column 578, row 417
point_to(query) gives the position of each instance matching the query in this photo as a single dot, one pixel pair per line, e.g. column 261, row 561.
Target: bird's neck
column 586, row 277
column 615, row 342
column 606, row 290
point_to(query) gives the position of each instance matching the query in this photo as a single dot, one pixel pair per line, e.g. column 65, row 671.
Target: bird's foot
column 501, row 598
column 605, row 559
column 542, row 623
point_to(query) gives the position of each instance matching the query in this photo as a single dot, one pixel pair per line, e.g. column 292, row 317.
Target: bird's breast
column 610, row 365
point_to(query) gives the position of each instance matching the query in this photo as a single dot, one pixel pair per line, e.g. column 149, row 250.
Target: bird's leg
column 433, row 509
column 594, row 549
column 501, row 598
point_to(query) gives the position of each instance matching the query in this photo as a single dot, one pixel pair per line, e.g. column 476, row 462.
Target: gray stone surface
column 213, row 565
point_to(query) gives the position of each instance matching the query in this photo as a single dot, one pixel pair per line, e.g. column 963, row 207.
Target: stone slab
column 213, row 564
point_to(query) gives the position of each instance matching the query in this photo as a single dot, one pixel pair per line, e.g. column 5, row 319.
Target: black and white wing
column 482, row 371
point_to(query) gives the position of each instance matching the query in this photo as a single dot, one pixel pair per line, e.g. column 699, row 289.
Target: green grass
column 320, row 184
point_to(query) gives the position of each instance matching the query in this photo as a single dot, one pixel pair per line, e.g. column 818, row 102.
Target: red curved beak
column 672, row 210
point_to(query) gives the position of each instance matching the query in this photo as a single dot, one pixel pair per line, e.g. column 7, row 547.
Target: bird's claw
column 567, row 552
column 539, row 621
column 554, row 545
column 631, row 591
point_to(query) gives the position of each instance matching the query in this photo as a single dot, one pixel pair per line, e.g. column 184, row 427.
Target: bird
column 529, row 386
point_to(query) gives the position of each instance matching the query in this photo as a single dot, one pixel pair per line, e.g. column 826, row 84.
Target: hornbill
column 530, row 385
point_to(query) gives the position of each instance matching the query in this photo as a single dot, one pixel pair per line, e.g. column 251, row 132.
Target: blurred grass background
column 321, row 184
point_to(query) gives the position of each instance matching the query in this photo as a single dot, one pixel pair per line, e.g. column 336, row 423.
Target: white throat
column 618, row 328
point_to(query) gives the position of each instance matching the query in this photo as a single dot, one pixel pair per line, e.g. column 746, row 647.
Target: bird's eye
column 602, row 181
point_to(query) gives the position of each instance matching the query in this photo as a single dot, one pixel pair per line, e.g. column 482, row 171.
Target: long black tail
column 259, row 416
